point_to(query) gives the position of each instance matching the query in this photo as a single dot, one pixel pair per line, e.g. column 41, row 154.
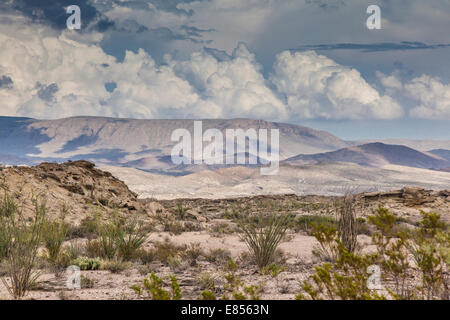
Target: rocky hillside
column 77, row 187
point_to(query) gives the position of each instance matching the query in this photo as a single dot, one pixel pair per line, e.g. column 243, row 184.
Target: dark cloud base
column 6, row 82
column 372, row 47
column 53, row 13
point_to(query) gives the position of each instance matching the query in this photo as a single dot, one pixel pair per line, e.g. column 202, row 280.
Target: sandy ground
column 297, row 252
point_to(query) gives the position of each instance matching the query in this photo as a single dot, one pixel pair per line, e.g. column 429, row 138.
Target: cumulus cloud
column 48, row 73
column 57, row 76
column 232, row 88
column 315, row 86
column 433, row 98
column 429, row 96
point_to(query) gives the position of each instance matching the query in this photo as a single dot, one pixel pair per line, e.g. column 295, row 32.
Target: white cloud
column 317, row 87
column 237, row 85
column 303, row 85
column 391, row 82
column 199, row 87
column 433, row 98
column 429, row 97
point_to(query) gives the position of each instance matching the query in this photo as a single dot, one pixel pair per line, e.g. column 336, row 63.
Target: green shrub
column 346, row 277
column 117, row 238
column 236, row 289
column 54, row 234
column 74, row 250
column 207, row 295
column 263, row 235
column 130, row 236
column 165, row 251
column 25, row 236
column 274, row 270
column 86, row 263
column 154, row 288
column 8, row 209
column 306, row 222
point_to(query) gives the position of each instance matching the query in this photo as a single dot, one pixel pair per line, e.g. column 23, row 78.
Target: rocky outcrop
column 77, row 185
column 409, row 196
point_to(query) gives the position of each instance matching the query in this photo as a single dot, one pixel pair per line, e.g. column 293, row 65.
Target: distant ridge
column 375, row 154
column 145, row 144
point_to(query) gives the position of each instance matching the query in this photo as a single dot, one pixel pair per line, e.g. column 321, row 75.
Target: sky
column 307, row 62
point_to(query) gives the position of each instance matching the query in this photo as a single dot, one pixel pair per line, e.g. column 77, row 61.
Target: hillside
column 444, row 154
column 76, row 186
column 377, row 155
column 144, row 144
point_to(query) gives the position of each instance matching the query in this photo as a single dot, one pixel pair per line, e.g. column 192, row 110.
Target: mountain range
column 139, row 152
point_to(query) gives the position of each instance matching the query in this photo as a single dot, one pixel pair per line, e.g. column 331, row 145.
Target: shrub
column 165, row 251
column 231, row 265
column 93, row 249
column 207, row 295
column 106, row 242
column 347, row 276
column 206, row 281
column 54, row 234
column 274, row 270
column 218, row 255
column 174, row 227
column 145, row 256
column 192, row 253
column 86, row 263
column 431, row 252
column 130, row 238
column 8, row 208
column 118, row 238
column 306, row 222
column 236, row 289
column 88, row 227
column 86, row 283
column 22, row 247
column 74, row 250
column 263, row 235
column 181, row 211
column 115, row 265
column 154, row 287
